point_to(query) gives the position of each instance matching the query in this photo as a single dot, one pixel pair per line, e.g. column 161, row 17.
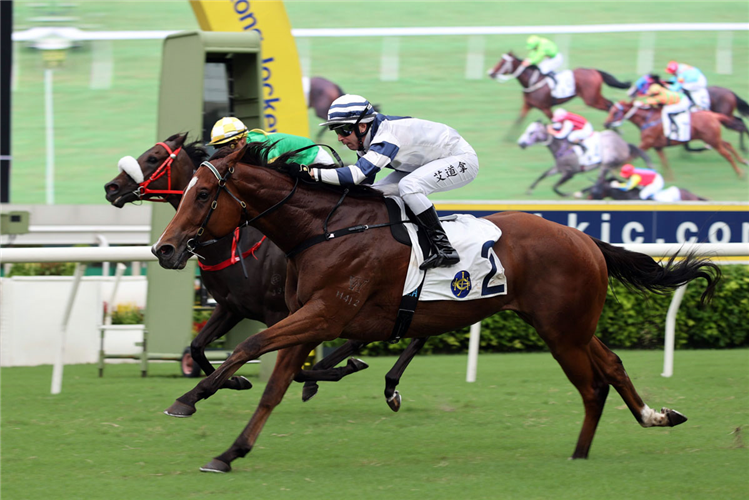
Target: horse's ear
column 180, row 140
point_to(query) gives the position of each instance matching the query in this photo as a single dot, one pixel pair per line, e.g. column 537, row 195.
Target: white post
column 50, row 131
column 103, row 243
column 59, row 362
column 473, row 352
column 669, row 339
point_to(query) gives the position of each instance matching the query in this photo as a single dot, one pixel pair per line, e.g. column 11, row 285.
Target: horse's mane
column 256, row 153
column 194, row 150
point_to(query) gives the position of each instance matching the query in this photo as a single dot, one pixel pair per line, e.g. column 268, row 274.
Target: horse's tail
column 634, row 151
column 732, row 123
column 742, row 105
column 640, row 272
column 611, row 81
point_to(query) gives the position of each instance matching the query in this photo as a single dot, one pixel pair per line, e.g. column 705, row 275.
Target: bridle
column 629, row 114
column 507, row 65
column 193, row 244
column 164, row 169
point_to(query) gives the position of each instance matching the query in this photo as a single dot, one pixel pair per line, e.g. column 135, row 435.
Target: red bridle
column 164, row 168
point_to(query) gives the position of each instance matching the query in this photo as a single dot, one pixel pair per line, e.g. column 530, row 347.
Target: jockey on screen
column 544, row 54
column 574, row 128
column 426, row 157
column 230, row 131
column 650, row 180
column 686, row 78
column 673, row 103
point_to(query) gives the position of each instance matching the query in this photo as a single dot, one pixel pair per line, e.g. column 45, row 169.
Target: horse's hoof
column 238, row 384
column 395, row 402
column 180, row 410
column 308, row 391
column 528, row 191
column 674, row 417
column 216, row 465
column 357, row 364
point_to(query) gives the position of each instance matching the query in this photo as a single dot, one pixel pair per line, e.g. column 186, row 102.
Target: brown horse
column 537, row 94
column 705, row 126
column 259, row 295
column 351, row 287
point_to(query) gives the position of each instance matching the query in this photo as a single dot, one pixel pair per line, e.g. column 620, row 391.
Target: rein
column 515, row 74
column 164, row 169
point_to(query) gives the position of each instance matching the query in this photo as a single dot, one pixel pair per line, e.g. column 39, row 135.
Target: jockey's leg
column 436, row 176
column 389, row 184
column 649, row 191
column 549, row 65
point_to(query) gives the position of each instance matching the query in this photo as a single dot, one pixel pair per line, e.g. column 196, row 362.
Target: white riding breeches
column 436, row 176
column 550, row 64
column 652, row 188
column 580, row 135
column 701, row 83
column 682, row 105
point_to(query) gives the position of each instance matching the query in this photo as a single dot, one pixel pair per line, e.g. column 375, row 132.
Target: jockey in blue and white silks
column 426, row 157
column 691, row 79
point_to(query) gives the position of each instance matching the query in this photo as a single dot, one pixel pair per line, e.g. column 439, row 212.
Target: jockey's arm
column 563, row 132
column 378, row 157
column 534, row 57
column 634, row 180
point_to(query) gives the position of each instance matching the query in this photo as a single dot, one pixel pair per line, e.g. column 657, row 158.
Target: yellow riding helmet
column 227, row 129
column 532, row 41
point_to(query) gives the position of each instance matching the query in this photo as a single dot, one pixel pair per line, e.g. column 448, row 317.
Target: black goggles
column 344, row 129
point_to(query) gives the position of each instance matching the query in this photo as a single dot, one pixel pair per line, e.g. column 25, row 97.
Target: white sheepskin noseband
column 130, row 166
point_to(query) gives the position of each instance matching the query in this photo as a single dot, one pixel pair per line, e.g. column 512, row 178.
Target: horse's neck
column 558, row 147
column 304, row 214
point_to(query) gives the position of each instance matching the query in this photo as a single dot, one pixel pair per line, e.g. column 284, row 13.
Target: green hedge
column 629, row 320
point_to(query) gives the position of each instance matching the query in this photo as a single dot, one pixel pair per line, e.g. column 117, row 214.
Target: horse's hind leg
column 580, row 370
column 723, row 149
column 393, row 377
column 610, row 365
column 735, row 153
column 288, row 363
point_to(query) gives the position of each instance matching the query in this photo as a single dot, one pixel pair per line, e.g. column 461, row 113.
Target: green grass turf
column 506, row 436
column 94, row 128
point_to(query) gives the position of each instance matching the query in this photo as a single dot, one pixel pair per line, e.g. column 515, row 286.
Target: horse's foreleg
column 221, row 321
column 512, row 133
column 667, row 172
column 288, row 362
column 305, row 326
column 613, row 370
column 543, row 176
column 565, row 177
column 393, row 377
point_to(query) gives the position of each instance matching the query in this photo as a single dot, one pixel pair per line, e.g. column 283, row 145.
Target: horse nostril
column 112, row 187
column 166, row 250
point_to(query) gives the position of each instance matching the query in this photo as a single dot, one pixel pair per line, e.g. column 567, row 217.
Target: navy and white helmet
column 350, row 108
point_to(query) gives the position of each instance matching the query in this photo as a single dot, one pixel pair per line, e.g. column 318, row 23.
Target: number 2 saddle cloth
column 478, row 275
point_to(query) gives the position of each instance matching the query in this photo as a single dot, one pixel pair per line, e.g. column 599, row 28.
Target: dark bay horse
column 605, row 187
column 615, row 151
column 351, row 286
column 705, row 127
column 536, row 94
column 260, row 296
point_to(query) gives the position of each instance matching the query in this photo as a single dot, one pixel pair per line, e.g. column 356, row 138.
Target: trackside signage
column 284, row 109
column 632, row 222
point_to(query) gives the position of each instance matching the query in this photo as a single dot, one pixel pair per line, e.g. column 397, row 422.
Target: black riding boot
column 444, row 255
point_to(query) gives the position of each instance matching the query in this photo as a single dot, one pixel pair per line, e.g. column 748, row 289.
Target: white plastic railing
column 143, row 253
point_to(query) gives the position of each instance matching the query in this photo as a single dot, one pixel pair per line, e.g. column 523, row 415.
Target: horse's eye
column 152, row 159
column 202, row 195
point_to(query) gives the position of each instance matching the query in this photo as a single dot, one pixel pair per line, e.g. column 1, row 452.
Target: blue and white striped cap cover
column 348, row 108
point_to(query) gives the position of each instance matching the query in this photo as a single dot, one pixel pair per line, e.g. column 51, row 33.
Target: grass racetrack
column 96, row 127
column 506, row 436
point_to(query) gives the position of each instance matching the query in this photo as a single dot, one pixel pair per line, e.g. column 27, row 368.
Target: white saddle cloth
column 565, row 86
column 668, row 195
column 478, row 275
column 592, row 155
column 683, row 123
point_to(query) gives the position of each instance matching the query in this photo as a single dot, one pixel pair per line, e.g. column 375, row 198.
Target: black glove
column 302, row 172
